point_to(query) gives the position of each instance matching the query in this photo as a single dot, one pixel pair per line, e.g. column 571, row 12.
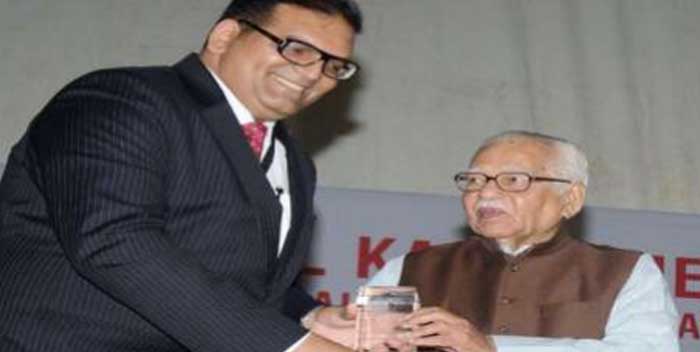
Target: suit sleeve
column 103, row 155
column 297, row 302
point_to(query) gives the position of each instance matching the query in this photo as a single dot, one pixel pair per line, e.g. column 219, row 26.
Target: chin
column 280, row 112
column 491, row 235
column 495, row 232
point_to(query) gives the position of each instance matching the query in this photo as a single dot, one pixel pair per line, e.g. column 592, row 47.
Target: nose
column 490, row 188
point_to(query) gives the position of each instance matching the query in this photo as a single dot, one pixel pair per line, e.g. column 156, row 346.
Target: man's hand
column 436, row 327
column 334, row 323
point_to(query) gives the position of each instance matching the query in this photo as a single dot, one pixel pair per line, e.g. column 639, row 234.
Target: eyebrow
column 505, row 168
column 323, row 51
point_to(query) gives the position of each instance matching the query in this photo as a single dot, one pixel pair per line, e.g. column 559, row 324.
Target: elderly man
column 522, row 283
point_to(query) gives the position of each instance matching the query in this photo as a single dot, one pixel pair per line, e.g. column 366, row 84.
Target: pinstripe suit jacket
column 134, row 217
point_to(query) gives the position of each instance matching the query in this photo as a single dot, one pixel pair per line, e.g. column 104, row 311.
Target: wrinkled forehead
column 524, row 155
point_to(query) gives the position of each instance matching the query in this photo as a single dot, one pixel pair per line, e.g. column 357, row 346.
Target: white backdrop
column 621, row 77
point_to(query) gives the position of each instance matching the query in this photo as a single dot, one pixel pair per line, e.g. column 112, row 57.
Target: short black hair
column 260, row 10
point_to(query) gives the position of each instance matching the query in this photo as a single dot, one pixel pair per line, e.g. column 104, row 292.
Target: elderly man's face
column 515, row 218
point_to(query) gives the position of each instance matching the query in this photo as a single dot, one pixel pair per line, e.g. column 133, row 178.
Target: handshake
column 387, row 318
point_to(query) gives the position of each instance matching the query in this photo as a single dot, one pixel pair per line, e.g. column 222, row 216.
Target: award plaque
column 380, row 310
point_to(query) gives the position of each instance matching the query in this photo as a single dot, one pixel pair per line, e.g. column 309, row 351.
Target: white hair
column 571, row 163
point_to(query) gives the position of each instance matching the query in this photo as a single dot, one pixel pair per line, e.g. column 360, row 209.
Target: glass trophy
column 380, row 310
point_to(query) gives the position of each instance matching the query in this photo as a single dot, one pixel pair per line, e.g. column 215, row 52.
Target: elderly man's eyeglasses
column 304, row 54
column 506, row 181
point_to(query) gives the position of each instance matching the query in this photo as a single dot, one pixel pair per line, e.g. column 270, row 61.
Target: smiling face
column 516, row 218
column 268, row 85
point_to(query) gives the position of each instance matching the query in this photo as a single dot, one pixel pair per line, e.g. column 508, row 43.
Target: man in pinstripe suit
column 134, row 214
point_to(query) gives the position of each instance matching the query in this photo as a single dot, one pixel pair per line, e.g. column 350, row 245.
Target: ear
column 572, row 200
column 221, row 36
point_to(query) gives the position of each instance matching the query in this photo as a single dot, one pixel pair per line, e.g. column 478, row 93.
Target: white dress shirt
column 277, row 175
column 643, row 317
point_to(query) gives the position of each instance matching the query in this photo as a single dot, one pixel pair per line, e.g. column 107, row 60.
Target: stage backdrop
column 359, row 231
column 619, row 77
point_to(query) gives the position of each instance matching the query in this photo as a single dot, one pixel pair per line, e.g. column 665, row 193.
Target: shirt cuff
column 308, row 320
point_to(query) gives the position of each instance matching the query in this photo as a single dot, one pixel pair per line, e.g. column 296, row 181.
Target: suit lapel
column 301, row 193
column 224, row 127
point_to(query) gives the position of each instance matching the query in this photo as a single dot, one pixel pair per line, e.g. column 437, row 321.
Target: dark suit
column 134, row 217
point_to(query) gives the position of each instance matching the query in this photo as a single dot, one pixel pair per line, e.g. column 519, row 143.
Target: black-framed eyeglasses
column 302, row 53
column 506, row 181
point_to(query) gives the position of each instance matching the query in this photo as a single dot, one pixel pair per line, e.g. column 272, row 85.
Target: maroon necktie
column 255, row 133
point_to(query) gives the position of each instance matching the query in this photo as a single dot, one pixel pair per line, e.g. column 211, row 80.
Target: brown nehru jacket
column 562, row 288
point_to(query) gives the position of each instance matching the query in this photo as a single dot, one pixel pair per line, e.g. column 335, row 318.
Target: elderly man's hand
column 436, row 327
